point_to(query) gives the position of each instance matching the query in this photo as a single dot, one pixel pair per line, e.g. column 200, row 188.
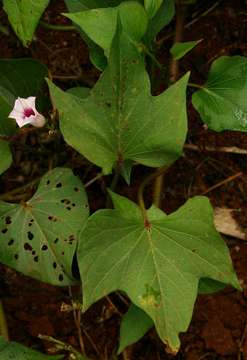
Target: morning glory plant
column 25, row 112
column 159, row 262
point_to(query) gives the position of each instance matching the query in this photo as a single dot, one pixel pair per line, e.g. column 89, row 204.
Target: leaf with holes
column 221, row 101
column 24, row 16
column 157, row 263
column 5, row 156
column 120, row 121
column 39, row 237
column 18, row 77
column 12, row 350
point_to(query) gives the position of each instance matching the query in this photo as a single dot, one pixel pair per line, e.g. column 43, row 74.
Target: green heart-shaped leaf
column 120, row 120
column 158, row 265
column 5, row 156
column 24, row 16
column 39, row 237
column 221, row 102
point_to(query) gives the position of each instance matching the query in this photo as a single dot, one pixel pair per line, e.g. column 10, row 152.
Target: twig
column 66, row 77
column 8, row 195
column 60, row 345
column 223, row 149
column 189, row 24
column 242, row 342
column 90, row 182
column 223, row 182
column 77, row 320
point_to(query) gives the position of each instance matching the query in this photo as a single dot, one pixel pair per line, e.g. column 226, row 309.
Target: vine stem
column 112, row 188
column 197, row 86
column 57, row 27
column 3, row 324
column 145, row 182
column 174, row 72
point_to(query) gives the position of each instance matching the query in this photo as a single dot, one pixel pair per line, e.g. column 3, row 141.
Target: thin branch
column 223, row 149
column 223, row 182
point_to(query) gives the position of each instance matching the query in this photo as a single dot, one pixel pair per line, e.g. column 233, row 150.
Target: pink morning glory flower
column 24, row 112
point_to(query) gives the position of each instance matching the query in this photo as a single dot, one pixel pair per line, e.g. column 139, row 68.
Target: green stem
column 160, row 171
column 3, row 324
column 112, row 187
column 195, row 85
column 57, row 27
column 174, row 72
column 152, row 57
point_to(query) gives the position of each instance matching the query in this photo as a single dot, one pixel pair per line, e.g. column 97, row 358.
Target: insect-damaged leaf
column 221, row 101
column 159, row 266
column 120, row 120
column 39, row 237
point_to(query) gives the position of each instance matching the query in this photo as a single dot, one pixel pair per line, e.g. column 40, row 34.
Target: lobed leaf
column 158, row 266
column 120, row 121
column 221, row 101
column 39, row 237
column 24, row 16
